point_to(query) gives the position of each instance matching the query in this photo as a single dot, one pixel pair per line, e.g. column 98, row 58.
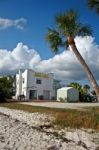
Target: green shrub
column 5, row 88
column 62, row 99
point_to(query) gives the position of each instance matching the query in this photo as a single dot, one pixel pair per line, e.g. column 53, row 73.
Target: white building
column 34, row 85
column 68, row 94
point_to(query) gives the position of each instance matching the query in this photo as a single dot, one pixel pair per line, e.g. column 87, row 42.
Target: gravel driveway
column 62, row 105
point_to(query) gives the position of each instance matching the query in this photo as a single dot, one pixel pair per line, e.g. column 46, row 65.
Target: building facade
column 34, row 85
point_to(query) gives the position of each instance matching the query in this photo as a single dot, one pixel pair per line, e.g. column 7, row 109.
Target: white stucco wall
column 61, row 93
column 30, row 77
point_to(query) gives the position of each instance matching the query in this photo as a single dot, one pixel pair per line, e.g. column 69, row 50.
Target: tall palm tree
column 94, row 4
column 67, row 27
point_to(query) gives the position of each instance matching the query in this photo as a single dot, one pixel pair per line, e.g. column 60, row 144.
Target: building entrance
column 33, row 94
column 46, row 94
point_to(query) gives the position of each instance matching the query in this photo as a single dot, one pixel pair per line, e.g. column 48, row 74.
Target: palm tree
column 67, row 27
column 75, row 85
column 94, row 4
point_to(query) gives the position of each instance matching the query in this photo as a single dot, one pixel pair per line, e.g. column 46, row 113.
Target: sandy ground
column 20, row 130
column 62, row 105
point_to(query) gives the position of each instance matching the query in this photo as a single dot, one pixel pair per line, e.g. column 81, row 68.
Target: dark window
column 38, row 81
column 23, row 80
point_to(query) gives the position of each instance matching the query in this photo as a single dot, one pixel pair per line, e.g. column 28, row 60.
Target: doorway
column 33, row 94
column 46, row 94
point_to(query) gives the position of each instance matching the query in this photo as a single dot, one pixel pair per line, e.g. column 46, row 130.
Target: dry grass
column 78, row 119
column 64, row 117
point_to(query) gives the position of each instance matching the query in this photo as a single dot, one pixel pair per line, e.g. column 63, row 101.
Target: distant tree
column 6, row 85
column 93, row 92
column 75, row 85
column 94, row 4
column 86, row 88
column 67, row 27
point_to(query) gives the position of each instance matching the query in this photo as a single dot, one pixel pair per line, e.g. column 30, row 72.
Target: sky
column 23, row 27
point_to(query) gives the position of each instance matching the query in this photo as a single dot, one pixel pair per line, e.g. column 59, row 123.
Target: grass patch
column 27, row 108
column 78, row 119
column 64, row 117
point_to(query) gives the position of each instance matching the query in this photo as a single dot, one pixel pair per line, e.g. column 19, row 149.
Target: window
column 38, row 81
column 23, row 80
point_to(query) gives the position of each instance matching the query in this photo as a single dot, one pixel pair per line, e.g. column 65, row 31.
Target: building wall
column 61, row 94
column 68, row 94
column 73, row 95
column 24, row 83
column 29, row 84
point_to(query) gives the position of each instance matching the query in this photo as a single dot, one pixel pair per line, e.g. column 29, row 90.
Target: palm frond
column 94, row 4
column 66, row 21
column 65, row 44
column 67, row 24
column 84, row 30
column 54, row 39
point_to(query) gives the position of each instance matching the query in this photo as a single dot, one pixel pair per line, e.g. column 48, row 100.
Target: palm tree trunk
column 85, row 66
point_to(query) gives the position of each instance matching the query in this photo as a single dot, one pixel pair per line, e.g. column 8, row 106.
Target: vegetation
column 78, row 119
column 82, row 89
column 62, row 100
column 89, row 118
column 94, row 4
column 76, row 86
column 84, row 94
column 68, row 26
column 6, row 88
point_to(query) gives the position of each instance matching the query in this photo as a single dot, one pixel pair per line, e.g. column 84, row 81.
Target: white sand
column 20, row 131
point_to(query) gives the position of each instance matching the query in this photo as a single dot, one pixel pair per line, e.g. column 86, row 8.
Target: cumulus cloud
column 64, row 66
column 21, row 57
column 18, row 23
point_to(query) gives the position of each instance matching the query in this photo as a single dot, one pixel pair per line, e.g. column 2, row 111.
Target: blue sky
column 40, row 15
column 23, row 26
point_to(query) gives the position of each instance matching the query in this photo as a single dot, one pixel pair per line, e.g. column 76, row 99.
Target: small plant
column 62, row 99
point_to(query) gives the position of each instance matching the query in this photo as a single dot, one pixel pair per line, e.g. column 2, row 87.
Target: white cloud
column 20, row 57
column 18, row 23
column 64, row 65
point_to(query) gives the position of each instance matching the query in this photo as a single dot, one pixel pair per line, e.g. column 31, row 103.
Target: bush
column 2, row 95
column 87, row 98
column 62, row 99
column 5, row 88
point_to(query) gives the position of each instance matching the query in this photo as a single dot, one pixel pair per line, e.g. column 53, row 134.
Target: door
column 46, row 94
column 33, row 94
